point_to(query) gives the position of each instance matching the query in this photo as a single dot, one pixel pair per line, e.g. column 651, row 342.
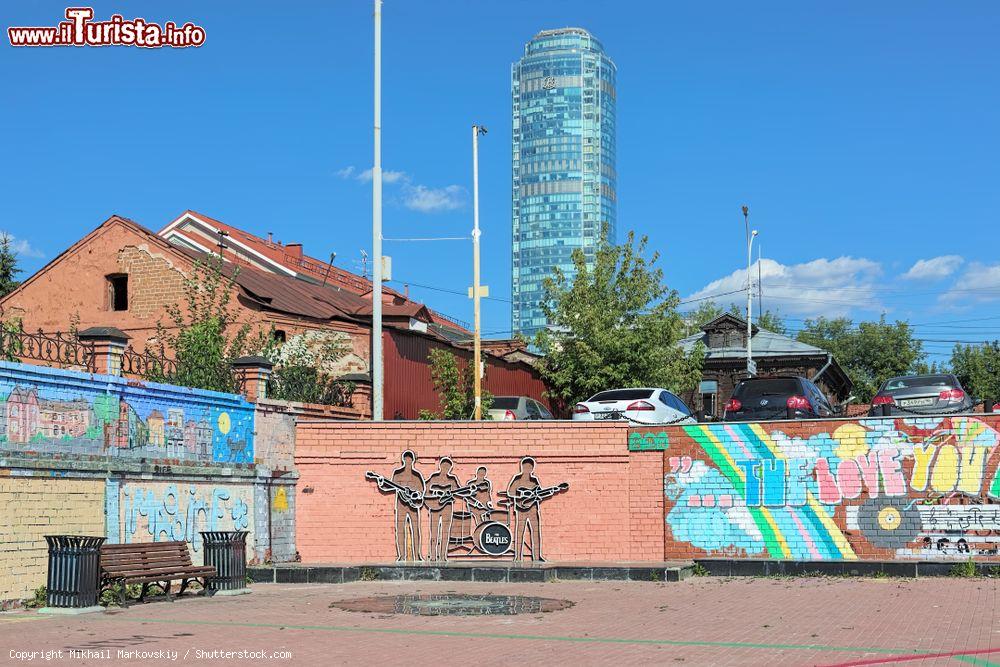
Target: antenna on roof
column 222, row 240
column 329, row 266
column 364, row 264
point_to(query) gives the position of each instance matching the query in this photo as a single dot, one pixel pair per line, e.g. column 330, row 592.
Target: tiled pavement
column 700, row 621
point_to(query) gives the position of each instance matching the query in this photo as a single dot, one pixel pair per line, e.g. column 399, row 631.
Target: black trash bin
column 226, row 551
column 74, row 570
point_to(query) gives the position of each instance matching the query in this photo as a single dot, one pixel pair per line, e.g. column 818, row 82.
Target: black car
column 761, row 399
column 939, row 394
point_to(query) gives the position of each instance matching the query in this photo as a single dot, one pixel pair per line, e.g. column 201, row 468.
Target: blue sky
column 863, row 136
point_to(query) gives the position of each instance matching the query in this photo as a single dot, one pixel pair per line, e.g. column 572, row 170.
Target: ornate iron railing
column 147, row 365
column 54, row 349
column 305, row 385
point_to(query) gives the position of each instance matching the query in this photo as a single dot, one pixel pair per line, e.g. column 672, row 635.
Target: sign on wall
column 465, row 520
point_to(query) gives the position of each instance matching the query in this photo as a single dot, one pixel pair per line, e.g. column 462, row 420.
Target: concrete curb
column 70, row 611
column 343, row 574
column 746, row 567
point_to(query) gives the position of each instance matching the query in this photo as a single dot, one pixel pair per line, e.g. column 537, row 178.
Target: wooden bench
column 150, row 564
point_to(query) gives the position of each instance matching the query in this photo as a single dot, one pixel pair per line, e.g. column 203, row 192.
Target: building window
column 118, row 292
column 709, row 390
column 280, row 336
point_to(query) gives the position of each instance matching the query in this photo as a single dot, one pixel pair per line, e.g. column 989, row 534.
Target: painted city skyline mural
column 140, row 422
column 904, row 489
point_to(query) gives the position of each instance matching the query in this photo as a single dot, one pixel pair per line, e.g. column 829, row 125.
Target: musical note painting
column 465, row 521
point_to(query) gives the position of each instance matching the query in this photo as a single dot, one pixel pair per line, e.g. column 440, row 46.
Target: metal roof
column 764, row 344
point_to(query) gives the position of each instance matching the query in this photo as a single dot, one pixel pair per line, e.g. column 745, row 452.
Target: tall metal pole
column 750, row 237
column 760, row 287
column 477, row 343
column 376, row 361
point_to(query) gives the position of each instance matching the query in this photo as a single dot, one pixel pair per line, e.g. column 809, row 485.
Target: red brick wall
column 409, row 388
column 866, row 489
column 613, row 510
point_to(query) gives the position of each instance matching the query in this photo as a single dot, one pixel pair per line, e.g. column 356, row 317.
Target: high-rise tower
column 564, row 180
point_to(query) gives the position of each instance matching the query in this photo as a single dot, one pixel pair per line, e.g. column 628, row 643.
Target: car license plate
column 613, row 414
column 916, row 402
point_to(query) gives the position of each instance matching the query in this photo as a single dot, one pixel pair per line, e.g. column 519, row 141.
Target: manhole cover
column 453, row 605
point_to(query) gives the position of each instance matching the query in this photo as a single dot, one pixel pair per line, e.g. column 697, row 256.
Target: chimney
column 294, row 249
column 270, row 237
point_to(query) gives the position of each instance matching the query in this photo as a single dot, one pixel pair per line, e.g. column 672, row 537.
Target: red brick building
column 125, row 276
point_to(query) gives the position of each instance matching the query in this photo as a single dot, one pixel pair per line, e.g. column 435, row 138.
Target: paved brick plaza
column 701, row 621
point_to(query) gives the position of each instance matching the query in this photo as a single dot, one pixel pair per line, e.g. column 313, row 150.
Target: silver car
column 921, row 395
column 639, row 406
column 510, row 408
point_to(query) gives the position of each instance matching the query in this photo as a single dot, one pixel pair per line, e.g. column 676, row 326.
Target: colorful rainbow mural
column 821, row 538
column 837, row 490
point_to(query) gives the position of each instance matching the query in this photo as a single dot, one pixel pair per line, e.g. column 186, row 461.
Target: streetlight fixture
column 751, row 366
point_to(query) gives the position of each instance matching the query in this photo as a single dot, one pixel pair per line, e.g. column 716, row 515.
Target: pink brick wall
column 613, row 510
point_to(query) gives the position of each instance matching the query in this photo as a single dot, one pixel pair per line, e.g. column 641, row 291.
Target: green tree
column 303, row 368
column 455, row 386
column 613, row 325
column 978, row 369
column 870, row 353
column 8, row 266
column 205, row 336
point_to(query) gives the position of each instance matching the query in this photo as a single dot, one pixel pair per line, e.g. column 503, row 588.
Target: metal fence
column 53, row 349
column 147, row 365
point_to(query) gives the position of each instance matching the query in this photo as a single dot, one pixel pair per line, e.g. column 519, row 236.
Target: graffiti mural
column 871, row 489
column 137, row 423
column 159, row 511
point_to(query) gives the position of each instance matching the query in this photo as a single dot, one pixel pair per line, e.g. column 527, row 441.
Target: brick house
column 21, row 411
column 125, row 276
column 725, row 341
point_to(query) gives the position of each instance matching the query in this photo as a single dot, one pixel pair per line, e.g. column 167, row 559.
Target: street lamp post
column 376, row 360
column 477, row 289
column 751, row 366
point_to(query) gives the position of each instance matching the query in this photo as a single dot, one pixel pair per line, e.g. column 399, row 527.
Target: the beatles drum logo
column 477, row 527
column 495, row 539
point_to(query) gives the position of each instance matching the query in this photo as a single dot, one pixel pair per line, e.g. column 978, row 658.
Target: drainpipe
column 829, row 360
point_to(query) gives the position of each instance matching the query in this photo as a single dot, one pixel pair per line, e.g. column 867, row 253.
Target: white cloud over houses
column 830, row 287
column 934, row 268
column 414, row 196
column 21, row 246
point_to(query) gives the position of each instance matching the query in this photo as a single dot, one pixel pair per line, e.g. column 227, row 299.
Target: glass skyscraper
column 563, row 93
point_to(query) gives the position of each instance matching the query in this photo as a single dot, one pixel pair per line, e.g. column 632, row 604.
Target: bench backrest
column 119, row 558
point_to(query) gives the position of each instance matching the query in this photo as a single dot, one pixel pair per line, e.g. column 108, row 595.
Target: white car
column 639, row 406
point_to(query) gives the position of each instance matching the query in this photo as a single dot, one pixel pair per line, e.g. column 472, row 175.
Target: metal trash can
column 226, row 551
column 74, row 570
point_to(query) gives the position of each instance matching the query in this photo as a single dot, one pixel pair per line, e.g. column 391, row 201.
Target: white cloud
column 388, row 176
column 935, row 268
column 831, row 287
column 22, row 247
column 979, row 283
column 365, row 176
column 413, row 195
column 430, row 200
